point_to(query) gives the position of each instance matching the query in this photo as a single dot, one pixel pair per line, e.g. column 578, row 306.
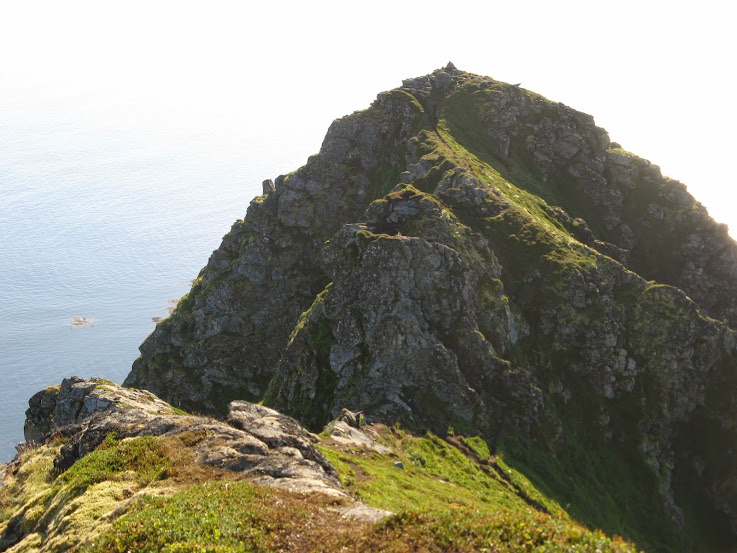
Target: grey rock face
column 77, row 399
column 398, row 313
column 226, row 337
column 277, row 431
column 268, row 186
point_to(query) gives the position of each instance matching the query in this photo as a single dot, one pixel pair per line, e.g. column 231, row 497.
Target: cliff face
column 230, row 331
column 467, row 256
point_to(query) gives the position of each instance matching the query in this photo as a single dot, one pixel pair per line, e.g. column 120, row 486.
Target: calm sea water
column 102, row 225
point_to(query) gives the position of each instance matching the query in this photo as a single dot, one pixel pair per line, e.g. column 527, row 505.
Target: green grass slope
column 144, row 494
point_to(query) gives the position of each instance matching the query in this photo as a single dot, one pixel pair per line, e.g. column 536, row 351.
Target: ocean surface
column 108, row 227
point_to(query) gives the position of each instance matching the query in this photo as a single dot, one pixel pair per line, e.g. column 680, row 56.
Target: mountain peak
column 465, row 255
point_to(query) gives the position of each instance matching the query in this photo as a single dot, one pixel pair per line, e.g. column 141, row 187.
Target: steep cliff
column 467, row 256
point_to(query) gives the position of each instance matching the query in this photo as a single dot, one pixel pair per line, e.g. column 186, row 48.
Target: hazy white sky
column 261, row 82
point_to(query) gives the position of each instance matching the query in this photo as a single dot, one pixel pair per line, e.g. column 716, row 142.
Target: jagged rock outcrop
column 98, row 452
column 229, row 332
column 467, row 254
column 256, row 441
column 77, row 399
column 388, row 324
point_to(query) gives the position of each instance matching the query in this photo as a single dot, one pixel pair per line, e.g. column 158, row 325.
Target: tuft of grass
column 228, row 517
column 206, row 517
column 64, row 509
column 142, row 458
column 32, row 478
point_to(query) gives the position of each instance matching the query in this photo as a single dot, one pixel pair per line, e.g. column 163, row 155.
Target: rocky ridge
column 473, row 255
column 467, row 256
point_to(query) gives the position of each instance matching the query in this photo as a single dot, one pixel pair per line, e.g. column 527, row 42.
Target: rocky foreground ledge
column 111, row 469
column 256, row 441
column 81, row 416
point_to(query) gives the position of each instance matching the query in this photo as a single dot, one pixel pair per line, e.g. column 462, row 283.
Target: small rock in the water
column 82, row 321
column 157, row 319
column 399, row 465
